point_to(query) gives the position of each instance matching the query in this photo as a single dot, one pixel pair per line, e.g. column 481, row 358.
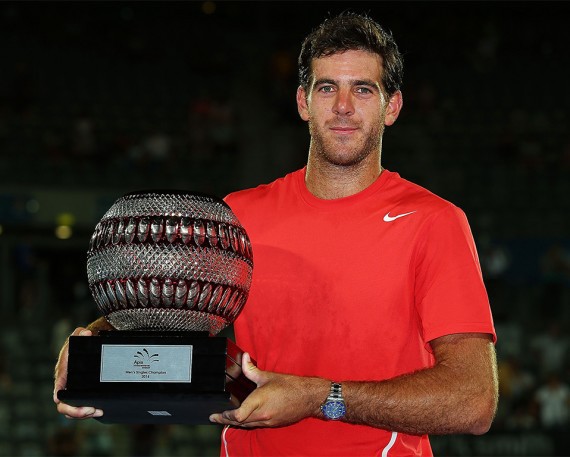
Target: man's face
column 346, row 107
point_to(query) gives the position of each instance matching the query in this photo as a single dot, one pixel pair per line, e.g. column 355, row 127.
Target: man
column 367, row 314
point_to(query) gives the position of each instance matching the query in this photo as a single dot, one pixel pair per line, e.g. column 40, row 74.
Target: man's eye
column 326, row 89
column 363, row 90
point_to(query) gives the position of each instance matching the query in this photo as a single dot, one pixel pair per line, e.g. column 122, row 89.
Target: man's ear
column 302, row 103
column 394, row 107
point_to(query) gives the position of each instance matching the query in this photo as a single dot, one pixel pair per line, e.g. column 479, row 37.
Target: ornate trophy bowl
column 168, row 270
column 169, row 260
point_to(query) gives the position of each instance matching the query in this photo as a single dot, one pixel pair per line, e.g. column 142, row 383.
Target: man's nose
column 343, row 103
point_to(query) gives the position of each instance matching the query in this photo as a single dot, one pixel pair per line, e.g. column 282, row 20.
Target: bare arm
column 457, row 395
column 60, row 374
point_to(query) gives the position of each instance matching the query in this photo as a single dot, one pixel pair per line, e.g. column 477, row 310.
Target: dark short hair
column 347, row 32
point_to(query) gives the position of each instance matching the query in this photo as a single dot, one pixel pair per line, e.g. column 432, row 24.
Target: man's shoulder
column 407, row 191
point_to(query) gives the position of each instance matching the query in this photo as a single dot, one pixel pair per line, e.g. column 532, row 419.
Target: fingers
column 252, row 424
column 235, row 416
column 220, row 418
column 238, row 416
column 60, row 382
column 251, row 372
column 242, row 415
column 60, row 374
column 81, row 412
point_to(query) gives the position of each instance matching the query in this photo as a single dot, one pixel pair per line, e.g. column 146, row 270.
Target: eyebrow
column 354, row 82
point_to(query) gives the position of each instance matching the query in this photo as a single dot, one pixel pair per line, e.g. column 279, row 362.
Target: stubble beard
column 339, row 153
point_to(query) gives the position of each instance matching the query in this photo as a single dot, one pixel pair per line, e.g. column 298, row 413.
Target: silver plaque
column 148, row 363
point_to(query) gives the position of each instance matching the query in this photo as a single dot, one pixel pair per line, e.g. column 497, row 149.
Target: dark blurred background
column 98, row 99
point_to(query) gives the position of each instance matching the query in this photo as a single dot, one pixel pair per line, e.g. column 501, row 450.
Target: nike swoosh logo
column 388, row 218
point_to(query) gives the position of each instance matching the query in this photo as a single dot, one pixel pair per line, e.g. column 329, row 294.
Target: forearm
column 425, row 402
column 457, row 397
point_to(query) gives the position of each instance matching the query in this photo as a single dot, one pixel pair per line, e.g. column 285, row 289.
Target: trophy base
column 140, row 377
column 152, row 408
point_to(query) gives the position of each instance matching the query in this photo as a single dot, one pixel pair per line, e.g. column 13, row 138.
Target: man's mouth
column 342, row 130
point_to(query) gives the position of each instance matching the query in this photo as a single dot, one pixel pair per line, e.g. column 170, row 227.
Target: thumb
column 251, row 372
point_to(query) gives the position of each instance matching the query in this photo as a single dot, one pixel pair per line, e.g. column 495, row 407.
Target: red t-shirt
column 351, row 289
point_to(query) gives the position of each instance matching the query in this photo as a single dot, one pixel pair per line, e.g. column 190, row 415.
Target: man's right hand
column 71, row 412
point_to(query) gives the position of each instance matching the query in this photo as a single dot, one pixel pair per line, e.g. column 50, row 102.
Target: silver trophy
column 169, row 261
column 168, row 270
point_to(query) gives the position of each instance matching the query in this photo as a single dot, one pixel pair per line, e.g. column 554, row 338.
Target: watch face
column 334, row 409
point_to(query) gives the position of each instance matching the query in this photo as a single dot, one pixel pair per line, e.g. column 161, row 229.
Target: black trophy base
column 140, row 377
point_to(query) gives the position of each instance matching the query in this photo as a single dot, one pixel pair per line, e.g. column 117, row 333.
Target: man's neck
column 328, row 181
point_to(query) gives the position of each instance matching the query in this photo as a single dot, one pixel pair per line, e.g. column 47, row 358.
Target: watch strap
column 335, row 393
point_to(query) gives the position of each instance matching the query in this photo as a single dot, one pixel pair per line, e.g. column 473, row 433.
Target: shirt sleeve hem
column 462, row 328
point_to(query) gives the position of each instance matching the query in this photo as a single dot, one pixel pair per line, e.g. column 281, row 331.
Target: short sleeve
column 450, row 295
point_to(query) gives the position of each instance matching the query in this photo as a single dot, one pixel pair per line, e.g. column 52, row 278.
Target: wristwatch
column 334, row 407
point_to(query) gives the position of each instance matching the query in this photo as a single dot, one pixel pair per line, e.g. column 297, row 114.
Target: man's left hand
column 279, row 399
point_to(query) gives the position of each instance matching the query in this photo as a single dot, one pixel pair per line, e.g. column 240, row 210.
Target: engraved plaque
column 135, row 363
